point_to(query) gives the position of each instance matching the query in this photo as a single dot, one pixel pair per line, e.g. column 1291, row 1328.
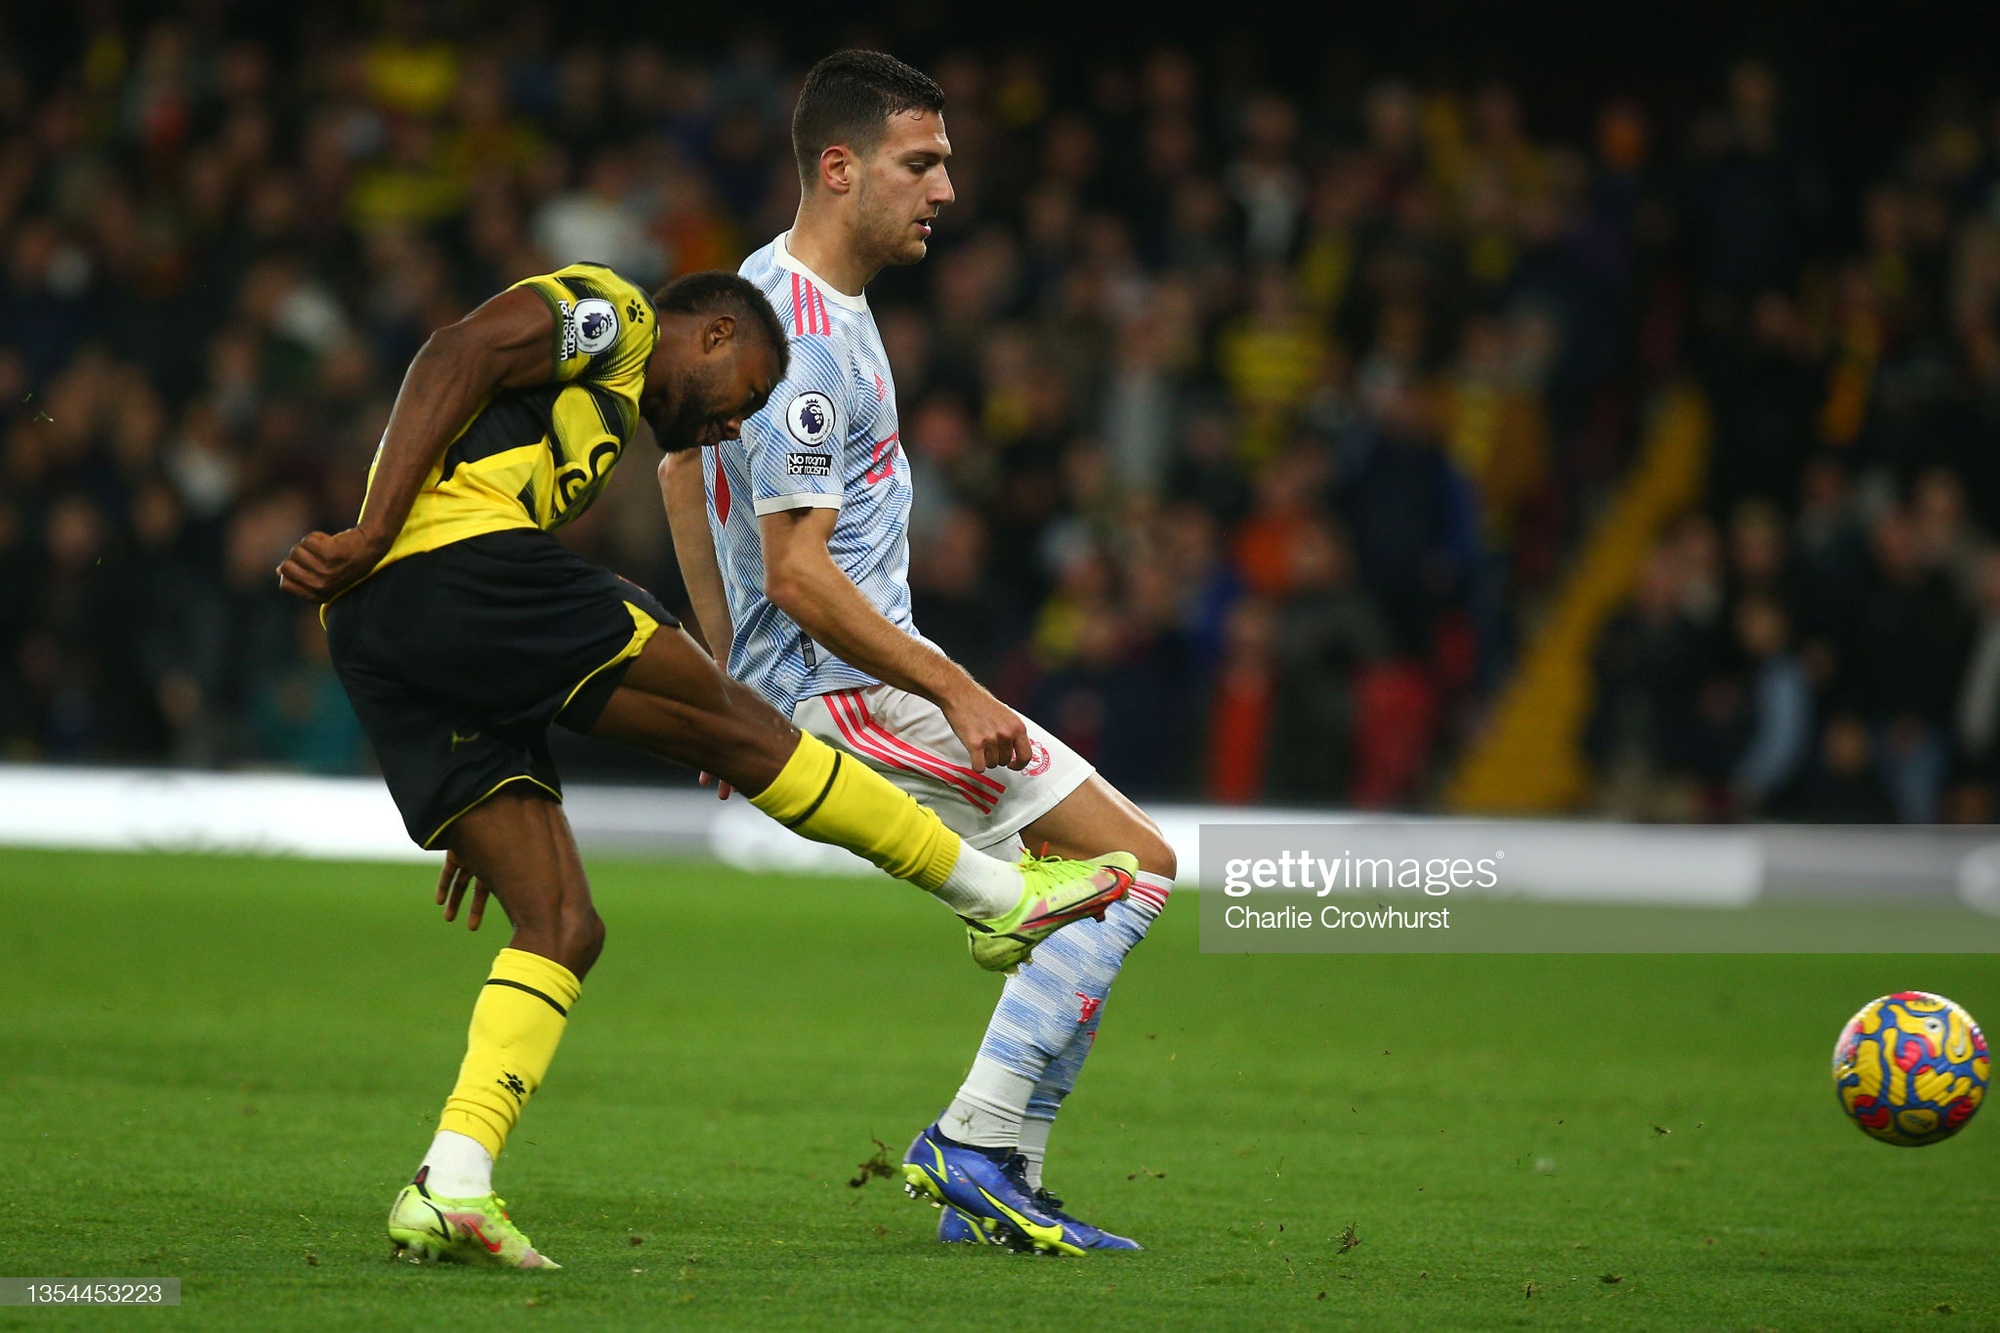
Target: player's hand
column 323, row 565
column 453, row 881
column 991, row 732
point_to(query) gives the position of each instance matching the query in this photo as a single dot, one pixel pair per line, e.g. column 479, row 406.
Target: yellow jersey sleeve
column 537, row 456
column 606, row 327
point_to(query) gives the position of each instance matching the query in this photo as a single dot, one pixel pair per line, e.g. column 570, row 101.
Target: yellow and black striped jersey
column 536, row 457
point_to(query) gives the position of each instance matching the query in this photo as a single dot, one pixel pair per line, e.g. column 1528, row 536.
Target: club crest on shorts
column 1038, row 759
column 596, row 323
column 810, row 417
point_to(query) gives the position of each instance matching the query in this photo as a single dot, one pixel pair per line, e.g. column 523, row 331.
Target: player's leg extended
column 519, row 845
column 1046, row 1022
column 674, row 703
column 1095, row 810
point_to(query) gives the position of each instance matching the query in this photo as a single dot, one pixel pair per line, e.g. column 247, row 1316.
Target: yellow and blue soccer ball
column 1910, row 1068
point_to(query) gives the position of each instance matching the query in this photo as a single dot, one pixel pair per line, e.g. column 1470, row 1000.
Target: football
column 1910, row 1068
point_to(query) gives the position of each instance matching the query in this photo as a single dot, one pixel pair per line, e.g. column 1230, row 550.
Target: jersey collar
column 781, row 254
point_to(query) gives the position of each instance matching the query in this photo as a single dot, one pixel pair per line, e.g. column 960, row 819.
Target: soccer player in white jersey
column 793, row 542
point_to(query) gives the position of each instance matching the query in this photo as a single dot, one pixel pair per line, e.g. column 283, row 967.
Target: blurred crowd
column 1250, row 425
column 1822, row 640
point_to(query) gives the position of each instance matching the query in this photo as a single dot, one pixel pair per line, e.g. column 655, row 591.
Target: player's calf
column 518, row 846
column 675, row 703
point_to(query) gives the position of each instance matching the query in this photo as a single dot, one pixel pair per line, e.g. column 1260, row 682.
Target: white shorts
column 906, row 739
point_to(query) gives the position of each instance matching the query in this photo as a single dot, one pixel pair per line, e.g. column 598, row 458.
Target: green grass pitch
column 221, row 1069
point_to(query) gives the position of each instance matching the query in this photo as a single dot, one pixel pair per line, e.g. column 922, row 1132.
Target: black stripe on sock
column 819, row 800
column 502, row 981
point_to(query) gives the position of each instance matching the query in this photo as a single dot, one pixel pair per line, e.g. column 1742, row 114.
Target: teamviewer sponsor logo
column 805, row 464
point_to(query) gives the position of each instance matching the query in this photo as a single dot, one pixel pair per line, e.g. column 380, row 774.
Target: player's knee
column 1156, row 855
column 754, row 741
column 757, row 720
column 581, row 940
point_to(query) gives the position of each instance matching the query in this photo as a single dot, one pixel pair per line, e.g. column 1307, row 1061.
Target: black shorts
column 458, row 659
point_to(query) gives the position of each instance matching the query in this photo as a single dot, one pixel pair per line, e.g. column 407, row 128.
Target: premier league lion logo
column 596, row 325
column 810, row 417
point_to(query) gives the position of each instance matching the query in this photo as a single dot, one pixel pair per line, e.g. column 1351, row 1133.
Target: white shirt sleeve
column 795, row 446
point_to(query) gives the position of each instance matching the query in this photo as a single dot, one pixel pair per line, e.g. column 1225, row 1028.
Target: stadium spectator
column 1779, row 707
column 1648, row 670
column 1843, row 785
column 1977, row 720
column 1327, row 635
column 1252, row 421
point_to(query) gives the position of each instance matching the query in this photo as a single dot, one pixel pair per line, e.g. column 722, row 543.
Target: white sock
column 980, row 886
column 1149, row 893
column 988, row 1109
column 1035, row 1147
column 461, row 1168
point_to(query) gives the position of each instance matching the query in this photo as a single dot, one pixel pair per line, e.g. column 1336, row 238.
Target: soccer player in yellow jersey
column 461, row 629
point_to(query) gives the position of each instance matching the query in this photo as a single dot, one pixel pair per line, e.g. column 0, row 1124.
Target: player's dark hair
column 848, row 99
column 718, row 292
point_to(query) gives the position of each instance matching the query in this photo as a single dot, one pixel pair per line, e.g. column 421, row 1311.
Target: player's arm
column 686, row 498
column 505, row 343
column 802, row 580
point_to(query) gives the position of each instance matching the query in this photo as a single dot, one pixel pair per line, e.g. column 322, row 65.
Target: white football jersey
column 828, row 439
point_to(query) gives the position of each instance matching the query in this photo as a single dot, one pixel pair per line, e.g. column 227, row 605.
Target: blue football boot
column 957, row 1228
column 977, row 1182
column 1080, row 1234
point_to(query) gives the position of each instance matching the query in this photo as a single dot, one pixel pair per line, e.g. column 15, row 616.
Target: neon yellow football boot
column 467, row 1231
column 1055, row 892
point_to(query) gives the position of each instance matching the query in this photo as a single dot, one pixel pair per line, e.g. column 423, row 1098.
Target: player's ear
column 720, row 330
column 836, row 168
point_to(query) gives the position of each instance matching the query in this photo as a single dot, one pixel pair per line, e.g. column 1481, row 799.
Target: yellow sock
column 516, row 1026
column 831, row 797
